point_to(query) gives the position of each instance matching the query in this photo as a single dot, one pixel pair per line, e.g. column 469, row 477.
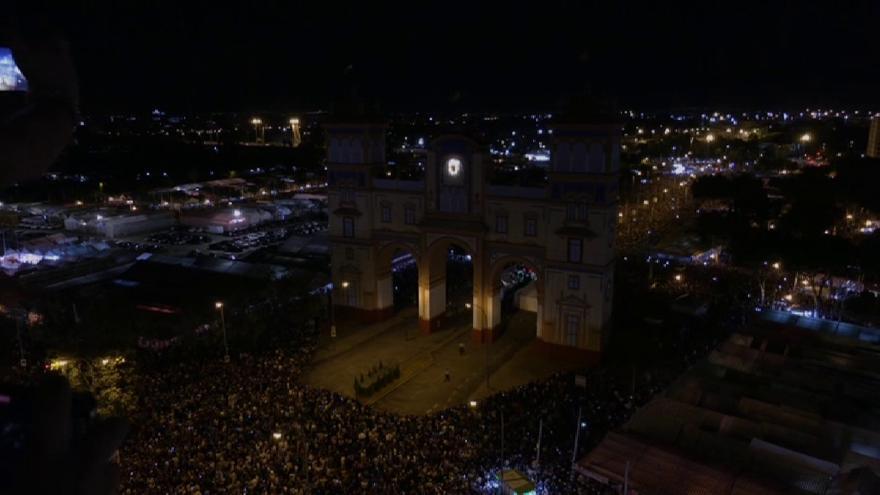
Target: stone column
column 432, row 298
column 384, row 297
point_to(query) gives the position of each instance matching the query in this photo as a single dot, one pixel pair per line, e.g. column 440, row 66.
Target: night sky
column 193, row 56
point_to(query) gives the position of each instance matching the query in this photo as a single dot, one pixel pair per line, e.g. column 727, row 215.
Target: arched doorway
column 397, row 268
column 516, row 295
column 446, row 284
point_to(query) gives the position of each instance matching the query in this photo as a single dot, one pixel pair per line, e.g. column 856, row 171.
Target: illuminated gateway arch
column 563, row 230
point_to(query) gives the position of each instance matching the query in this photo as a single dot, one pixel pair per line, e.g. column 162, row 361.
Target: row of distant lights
column 720, row 117
column 258, row 122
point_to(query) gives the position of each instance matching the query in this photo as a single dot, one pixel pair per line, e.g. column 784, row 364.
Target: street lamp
column 483, row 322
column 806, row 137
column 22, row 361
column 258, row 126
column 776, row 265
column 219, row 306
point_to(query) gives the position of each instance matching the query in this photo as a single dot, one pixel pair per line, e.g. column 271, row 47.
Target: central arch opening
column 459, row 285
column 446, row 285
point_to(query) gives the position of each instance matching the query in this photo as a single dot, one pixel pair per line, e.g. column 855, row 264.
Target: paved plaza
column 424, row 360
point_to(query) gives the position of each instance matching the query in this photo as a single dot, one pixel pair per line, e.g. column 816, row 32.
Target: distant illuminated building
column 295, row 136
column 874, row 139
column 563, row 232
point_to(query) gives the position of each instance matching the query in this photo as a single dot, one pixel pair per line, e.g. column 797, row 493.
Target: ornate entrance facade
column 563, row 230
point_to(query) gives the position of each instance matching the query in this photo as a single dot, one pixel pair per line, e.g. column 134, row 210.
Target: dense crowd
column 249, row 426
column 200, row 426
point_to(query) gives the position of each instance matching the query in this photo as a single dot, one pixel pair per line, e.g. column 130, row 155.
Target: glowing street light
column 345, row 284
column 258, row 129
column 776, row 265
column 219, row 306
column 806, row 137
column 56, row 364
column 710, row 138
column 295, row 136
column 789, row 297
column 276, row 436
column 678, row 277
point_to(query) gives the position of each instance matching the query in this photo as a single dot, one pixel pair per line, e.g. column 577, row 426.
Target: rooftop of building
column 783, row 406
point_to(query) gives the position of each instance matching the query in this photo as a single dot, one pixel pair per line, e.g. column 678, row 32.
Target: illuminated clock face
column 453, row 167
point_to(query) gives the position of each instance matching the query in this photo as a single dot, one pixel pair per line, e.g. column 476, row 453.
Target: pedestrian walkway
column 424, row 360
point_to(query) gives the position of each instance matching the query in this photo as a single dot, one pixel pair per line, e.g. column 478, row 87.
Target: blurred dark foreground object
column 51, row 441
column 36, row 126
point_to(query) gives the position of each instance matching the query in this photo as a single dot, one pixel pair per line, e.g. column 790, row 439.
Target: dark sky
column 290, row 55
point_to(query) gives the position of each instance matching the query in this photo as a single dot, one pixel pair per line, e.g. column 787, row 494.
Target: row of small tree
column 375, row 379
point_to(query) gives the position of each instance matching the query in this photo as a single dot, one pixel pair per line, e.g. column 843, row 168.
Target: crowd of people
column 201, row 425
column 250, row 426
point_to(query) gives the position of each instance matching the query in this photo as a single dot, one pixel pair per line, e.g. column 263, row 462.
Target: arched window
column 409, row 214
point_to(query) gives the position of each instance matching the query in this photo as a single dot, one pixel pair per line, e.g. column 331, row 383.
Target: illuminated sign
column 11, row 78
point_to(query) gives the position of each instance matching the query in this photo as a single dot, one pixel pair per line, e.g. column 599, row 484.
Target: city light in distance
column 218, row 304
